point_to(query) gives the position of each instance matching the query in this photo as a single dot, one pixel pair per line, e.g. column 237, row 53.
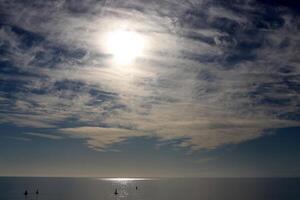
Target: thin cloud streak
column 42, row 135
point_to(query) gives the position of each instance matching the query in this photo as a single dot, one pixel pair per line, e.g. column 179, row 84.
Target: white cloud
column 182, row 88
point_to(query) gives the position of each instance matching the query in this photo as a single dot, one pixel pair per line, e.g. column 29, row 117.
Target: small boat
column 116, row 192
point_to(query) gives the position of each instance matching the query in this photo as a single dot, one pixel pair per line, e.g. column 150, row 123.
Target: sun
column 124, row 46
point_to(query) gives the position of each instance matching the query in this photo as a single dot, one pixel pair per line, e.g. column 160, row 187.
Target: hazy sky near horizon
column 150, row 88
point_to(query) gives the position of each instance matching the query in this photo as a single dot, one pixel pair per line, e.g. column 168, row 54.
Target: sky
column 150, row 88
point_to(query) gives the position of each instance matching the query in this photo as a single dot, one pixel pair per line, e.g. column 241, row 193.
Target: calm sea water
column 152, row 189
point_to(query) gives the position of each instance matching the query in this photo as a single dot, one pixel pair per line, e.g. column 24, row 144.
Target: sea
column 13, row 188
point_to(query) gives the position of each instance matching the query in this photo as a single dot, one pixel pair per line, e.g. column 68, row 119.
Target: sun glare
column 125, row 46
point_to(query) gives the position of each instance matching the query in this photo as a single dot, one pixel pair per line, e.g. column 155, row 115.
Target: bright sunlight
column 125, row 46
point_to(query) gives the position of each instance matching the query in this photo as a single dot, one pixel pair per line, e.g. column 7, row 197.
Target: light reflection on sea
column 12, row 188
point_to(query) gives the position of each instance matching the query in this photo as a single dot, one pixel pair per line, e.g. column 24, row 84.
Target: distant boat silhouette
column 116, row 192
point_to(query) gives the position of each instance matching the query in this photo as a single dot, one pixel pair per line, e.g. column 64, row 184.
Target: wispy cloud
column 99, row 138
column 208, row 75
column 47, row 136
column 24, row 139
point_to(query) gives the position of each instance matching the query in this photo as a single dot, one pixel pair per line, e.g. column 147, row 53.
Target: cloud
column 212, row 74
column 100, row 138
column 200, row 127
column 19, row 138
column 42, row 135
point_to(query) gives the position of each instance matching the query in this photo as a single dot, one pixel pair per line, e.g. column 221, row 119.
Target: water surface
column 151, row 189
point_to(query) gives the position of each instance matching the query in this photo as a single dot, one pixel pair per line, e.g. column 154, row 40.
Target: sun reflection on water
column 125, row 179
column 124, row 188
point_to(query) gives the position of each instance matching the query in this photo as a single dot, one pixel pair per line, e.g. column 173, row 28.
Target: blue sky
column 215, row 91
